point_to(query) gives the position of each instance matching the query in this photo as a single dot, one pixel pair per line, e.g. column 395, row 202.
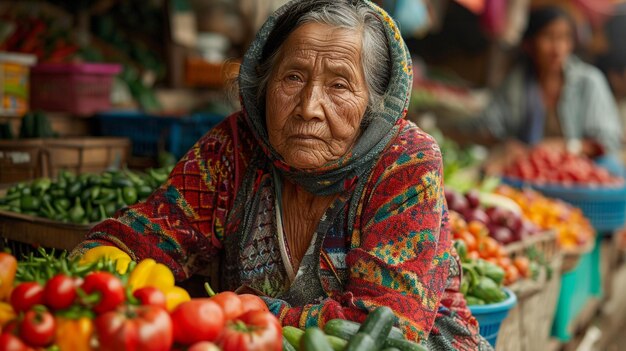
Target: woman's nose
column 311, row 102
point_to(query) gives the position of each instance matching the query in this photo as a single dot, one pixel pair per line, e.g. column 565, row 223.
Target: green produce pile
column 376, row 333
column 482, row 280
column 458, row 160
column 82, row 199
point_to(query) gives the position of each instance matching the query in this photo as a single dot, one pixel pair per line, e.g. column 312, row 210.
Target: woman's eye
column 339, row 86
column 293, row 78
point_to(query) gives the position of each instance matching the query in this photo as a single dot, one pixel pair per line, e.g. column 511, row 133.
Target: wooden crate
column 528, row 325
column 21, row 160
column 85, row 155
column 23, row 232
column 200, row 73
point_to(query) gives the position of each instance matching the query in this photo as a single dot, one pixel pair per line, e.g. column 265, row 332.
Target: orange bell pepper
column 8, row 267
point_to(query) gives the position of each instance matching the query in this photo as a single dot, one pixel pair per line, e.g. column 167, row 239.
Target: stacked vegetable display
column 85, row 198
column 547, row 166
column 376, row 333
column 107, row 302
column 573, row 229
column 504, row 221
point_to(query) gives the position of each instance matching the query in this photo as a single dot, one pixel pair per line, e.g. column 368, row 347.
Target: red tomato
column 60, row 292
column 252, row 302
column 108, row 286
column 37, row 328
column 26, row 295
column 253, row 331
column 133, row 328
column 230, row 304
column 197, row 320
column 204, row 346
column 149, row 295
column 10, row 342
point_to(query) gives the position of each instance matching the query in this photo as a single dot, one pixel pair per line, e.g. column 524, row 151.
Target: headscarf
column 334, row 177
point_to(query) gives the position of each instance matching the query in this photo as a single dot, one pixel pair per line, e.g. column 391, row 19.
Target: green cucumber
column 361, row 342
column 404, row 345
column 378, row 325
column 390, row 349
column 293, row 336
column 338, row 344
column 314, row 339
column 345, row 329
column 287, row 346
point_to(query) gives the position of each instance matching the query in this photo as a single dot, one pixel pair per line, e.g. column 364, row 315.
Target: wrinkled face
column 316, row 95
column 553, row 45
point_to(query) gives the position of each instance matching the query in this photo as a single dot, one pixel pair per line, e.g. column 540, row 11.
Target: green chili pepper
column 493, row 271
column 73, row 190
column 94, row 179
column 488, row 291
column 144, row 191
column 26, row 191
column 95, row 192
column 88, row 209
column 41, row 185
column 102, row 212
column 110, row 209
column 30, row 203
column 130, row 195
column 67, row 175
column 106, row 195
column 121, row 182
column 473, row 301
column 49, row 208
column 76, row 213
column 461, row 249
column 63, row 204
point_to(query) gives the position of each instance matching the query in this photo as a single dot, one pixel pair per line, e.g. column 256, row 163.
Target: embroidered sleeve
column 181, row 223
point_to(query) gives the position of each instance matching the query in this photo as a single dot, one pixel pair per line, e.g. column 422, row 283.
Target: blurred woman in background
column 553, row 99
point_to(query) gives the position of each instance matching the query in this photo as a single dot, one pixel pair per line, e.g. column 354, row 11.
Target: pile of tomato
column 548, row 166
column 97, row 310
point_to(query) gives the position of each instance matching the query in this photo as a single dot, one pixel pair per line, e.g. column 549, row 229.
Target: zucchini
column 404, row 345
column 287, row 346
column 390, row 349
column 378, row 325
column 345, row 329
column 361, row 342
column 293, row 336
column 314, row 339
column 338, row 344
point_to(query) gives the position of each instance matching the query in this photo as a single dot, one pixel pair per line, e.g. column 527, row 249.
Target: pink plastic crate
column 78, row 88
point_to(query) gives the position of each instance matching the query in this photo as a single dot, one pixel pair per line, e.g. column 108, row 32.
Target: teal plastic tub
column 490, row 316
column 578, row 286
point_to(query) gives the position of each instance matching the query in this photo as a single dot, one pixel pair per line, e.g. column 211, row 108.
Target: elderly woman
column 318, row 195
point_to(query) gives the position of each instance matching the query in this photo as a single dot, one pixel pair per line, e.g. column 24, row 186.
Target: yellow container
column 14, row 83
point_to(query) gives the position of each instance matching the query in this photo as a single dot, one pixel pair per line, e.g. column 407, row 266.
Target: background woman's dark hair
column 541, row 17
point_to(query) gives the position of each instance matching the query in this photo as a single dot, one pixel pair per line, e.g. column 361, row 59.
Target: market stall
column 100, row 101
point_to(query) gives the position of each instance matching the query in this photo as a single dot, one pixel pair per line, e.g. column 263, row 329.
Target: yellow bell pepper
column 74, row 334
column 150, row 273
column 121, row 258
column 174, row 296
column 6, row 313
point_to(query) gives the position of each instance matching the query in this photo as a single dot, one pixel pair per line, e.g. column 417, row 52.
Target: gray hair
column 354, row 15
